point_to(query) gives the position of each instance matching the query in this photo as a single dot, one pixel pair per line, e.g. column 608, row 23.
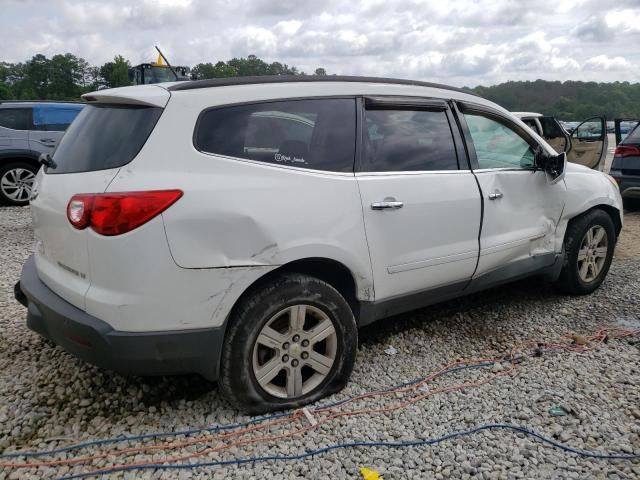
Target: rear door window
column 408, row 140
column 104, row 136
column 54, row 118
column 16, row 118
column 318, row 134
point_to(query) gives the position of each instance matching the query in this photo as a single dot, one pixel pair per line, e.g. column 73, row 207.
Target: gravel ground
column 49, row 399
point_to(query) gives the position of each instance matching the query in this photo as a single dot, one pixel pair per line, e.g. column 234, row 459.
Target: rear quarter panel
column 239, row 213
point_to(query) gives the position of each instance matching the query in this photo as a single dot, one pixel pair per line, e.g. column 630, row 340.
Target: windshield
column 158, row 75
column 103, row 137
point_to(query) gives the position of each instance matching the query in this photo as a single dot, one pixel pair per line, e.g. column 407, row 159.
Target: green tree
column 570, row 100
column 36, row 77
column 65, row 76
column 115, row 74
column 208, row 70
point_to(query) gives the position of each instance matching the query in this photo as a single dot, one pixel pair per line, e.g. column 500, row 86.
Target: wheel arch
column 27, row 156
column 335, row 273
column 610, row 210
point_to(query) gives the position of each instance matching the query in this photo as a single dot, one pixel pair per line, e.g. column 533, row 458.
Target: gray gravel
column 49, row 399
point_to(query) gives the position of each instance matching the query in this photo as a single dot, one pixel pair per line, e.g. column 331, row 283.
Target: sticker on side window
column 281, row 157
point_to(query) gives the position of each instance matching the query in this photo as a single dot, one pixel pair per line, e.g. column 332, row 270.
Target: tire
column 572, row 279
column 278, row 305
column 16, row 180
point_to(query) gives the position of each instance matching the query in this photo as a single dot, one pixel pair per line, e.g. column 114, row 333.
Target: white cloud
column 605, row 63
column 627, row 20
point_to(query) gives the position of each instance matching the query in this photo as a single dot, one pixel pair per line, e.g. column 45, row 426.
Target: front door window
column 498, row 146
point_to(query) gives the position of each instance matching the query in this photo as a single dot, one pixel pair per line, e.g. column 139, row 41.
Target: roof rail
column 40, row 101
column 228, row 81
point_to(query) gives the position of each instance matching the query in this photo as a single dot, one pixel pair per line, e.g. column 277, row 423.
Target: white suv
column 245, row 228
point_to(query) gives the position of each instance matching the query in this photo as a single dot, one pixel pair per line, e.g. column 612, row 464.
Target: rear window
column 318, row 134
column 103, row 137
column 634, row 135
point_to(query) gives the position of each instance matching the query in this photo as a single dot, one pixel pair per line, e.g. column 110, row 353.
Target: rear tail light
column 627, row 151
column 117, row 213
column 79, row 211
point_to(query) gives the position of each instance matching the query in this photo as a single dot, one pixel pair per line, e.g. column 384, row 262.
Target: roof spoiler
column 148, row 95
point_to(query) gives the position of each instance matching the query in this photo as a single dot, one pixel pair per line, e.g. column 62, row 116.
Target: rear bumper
column 631, row 191
column 96, row 342
column 629, row 185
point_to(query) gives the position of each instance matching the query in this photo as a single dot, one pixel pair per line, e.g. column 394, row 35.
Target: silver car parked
column 28, row 129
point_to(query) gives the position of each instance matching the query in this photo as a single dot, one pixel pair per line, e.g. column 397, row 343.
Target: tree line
column 569, row 100
column 67, row 76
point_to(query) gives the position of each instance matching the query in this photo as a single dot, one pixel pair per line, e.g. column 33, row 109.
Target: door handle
column 497, row 195
column 387, row 205
column 47, row 140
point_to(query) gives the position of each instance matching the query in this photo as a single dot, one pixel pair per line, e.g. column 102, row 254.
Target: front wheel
column 289, row 343
column 589, row 244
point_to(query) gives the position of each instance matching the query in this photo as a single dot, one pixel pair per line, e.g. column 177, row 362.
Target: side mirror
column 553, row 165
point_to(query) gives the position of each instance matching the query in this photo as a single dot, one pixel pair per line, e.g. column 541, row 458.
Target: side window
column 54, row 118
column 551, row 128
column 318, row 134
column 496, row 145
column 16, row 118
column 531, row 123
column 589, row 130
column 408, row 140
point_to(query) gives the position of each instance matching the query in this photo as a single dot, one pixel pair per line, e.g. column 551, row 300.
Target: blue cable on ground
column 338, row 446
column 218, row 428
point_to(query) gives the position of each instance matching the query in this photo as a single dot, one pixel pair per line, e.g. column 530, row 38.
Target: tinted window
column 634, row 136
column 408, row 140
column 317, row 134
column 551, row 128
column 498, row 146
column 104, row 136
column 16, row 118
column 54, row 117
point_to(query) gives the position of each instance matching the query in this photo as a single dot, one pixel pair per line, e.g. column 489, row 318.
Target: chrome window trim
column 508, row 169
column 410, row 172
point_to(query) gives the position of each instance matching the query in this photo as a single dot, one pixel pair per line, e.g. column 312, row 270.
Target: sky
column 458, row 42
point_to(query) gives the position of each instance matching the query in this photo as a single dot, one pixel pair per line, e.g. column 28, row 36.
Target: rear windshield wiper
column 47, row 161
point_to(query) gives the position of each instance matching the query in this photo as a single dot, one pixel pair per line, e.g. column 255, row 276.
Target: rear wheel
column 291, row 342
column 16, row 182
column 589, row 245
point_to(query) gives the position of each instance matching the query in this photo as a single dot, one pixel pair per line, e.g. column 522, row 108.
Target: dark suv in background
column 28, row 129
column 625, row 168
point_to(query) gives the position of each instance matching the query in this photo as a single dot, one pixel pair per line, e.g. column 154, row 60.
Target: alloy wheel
column 17, row 183
column 294, row 351
column 592, row 253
